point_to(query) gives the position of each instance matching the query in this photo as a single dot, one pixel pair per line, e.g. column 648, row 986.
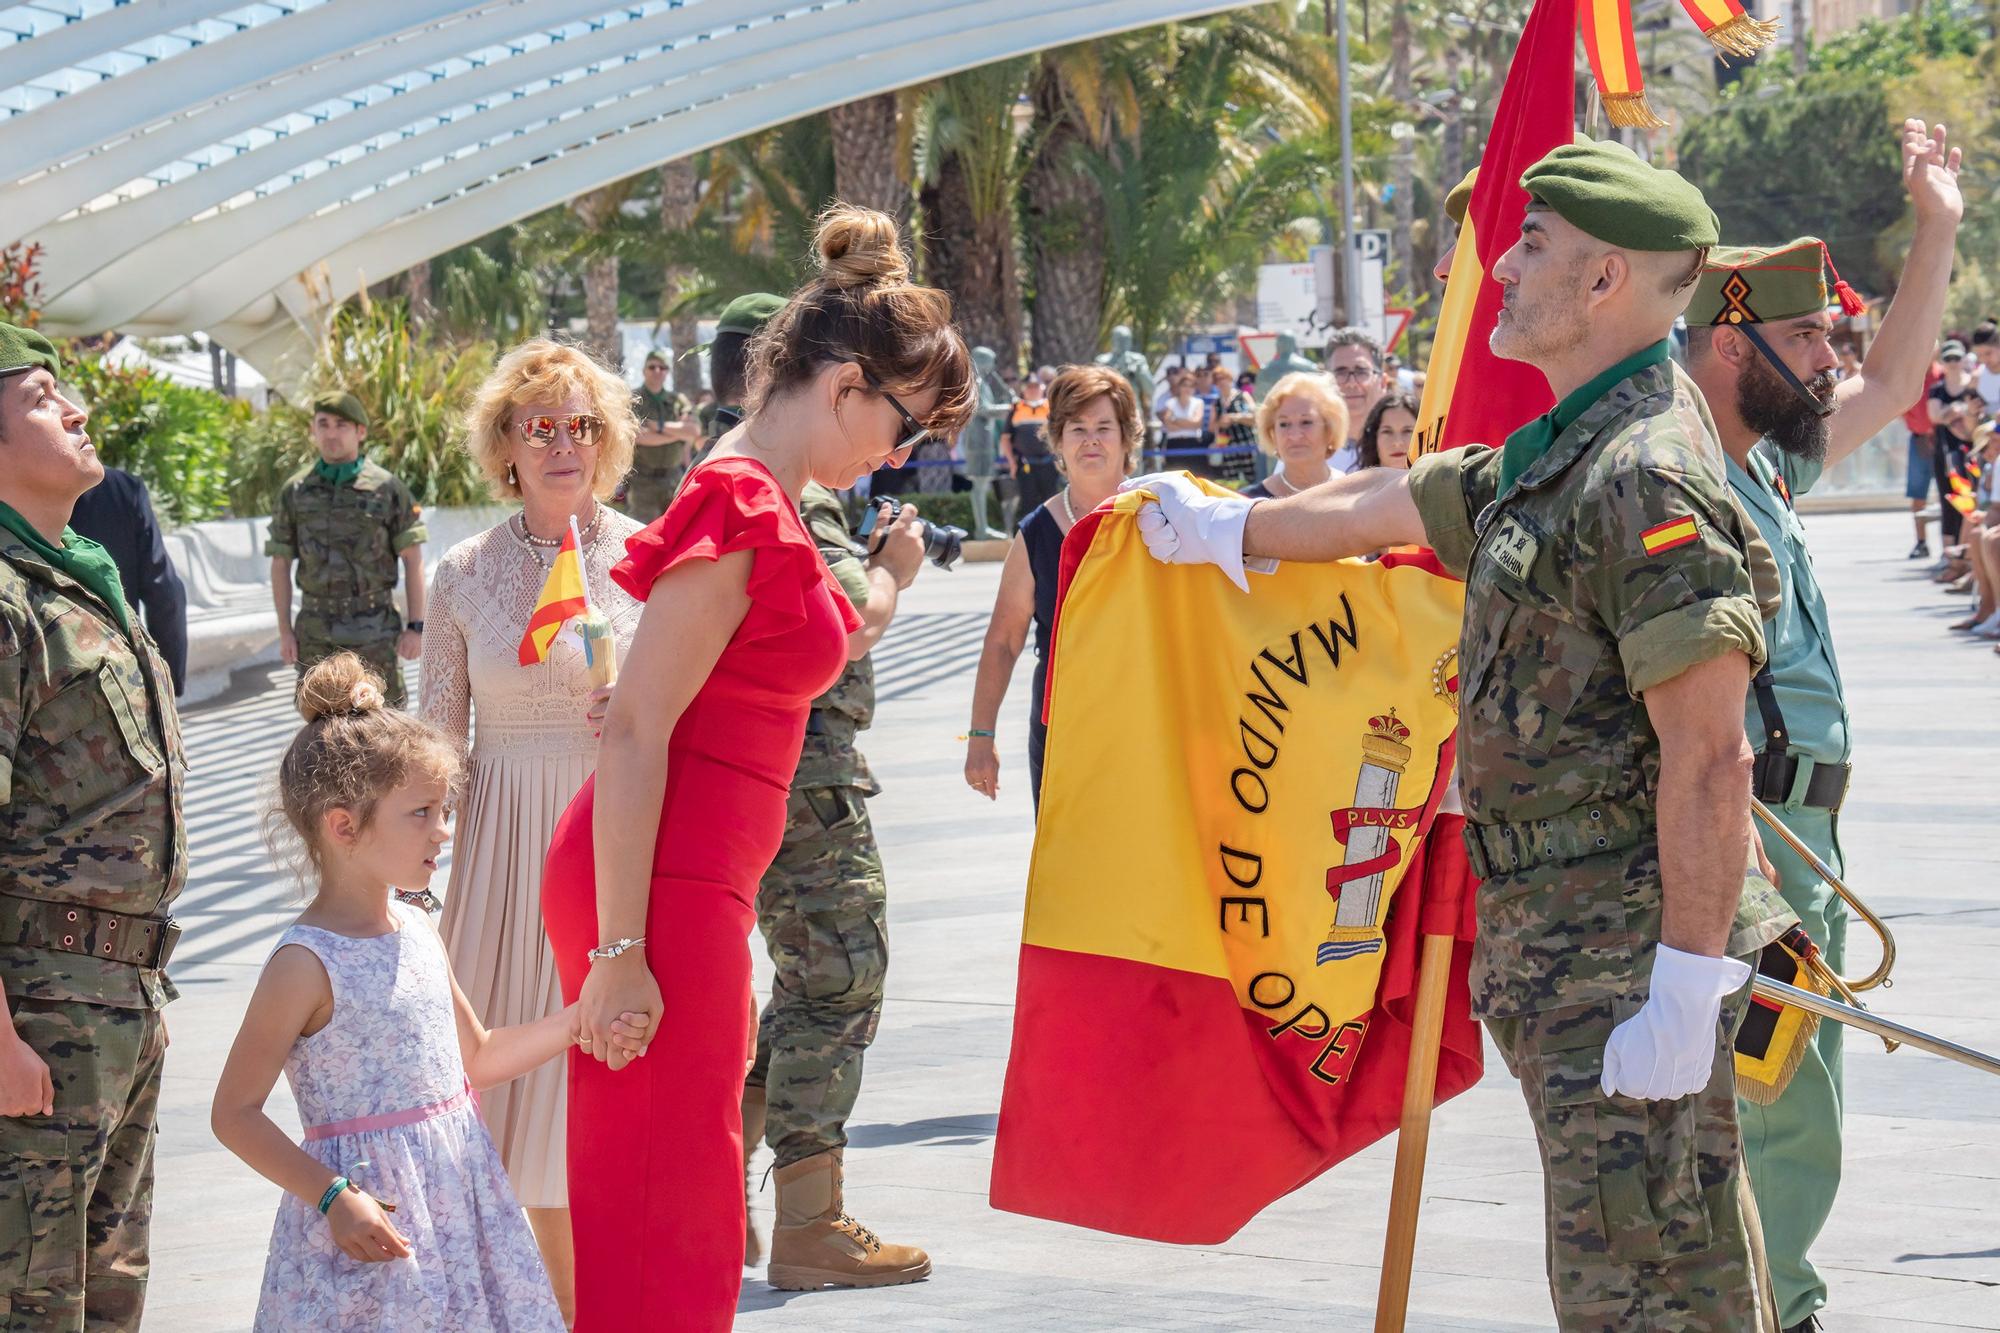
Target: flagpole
column 1392, row 1299
column 577, row 537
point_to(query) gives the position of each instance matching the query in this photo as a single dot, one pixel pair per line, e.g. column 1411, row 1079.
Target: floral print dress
column 383, row 1097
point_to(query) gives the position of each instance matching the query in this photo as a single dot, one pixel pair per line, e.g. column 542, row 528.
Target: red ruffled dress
column 656, row 1149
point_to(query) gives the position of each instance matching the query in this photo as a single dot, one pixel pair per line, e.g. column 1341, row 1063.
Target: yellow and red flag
column 563, row 596
column 1470, row 395
column 1608, row 40
column 1239, row 843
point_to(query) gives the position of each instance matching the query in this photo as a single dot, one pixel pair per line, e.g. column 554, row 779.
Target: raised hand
column 1930, row 171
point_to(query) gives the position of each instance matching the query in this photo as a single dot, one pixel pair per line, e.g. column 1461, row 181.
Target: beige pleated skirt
column 493, row 931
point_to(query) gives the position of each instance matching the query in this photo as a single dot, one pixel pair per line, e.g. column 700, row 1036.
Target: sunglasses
column 915, row 431
column 540, row 431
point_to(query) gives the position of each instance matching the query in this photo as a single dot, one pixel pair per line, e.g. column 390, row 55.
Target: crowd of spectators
column 1955, row 457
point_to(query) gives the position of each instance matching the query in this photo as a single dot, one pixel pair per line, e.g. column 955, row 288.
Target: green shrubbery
column 178, row 439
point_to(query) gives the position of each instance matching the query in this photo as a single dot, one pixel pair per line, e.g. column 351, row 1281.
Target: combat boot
column 816, row 1244
column 753, row 1134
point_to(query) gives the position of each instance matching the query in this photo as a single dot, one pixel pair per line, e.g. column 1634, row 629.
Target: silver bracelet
column 613, row 949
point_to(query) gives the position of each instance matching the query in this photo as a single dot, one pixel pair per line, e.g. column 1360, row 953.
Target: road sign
column 1288, row 301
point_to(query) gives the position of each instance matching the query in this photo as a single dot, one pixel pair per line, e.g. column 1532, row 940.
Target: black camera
column 943, row 543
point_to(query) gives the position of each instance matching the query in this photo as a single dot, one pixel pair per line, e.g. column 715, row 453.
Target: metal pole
column 1350, row 275
column 1886, row 1028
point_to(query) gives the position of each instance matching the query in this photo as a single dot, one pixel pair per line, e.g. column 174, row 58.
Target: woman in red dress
column 652, row 871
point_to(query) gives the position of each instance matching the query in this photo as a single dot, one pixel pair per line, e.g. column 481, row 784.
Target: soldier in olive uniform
column 665, row 433
column 347, row 522
column 1611, row 630
column 93, row 851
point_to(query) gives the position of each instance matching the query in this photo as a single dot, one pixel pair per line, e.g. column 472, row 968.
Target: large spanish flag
column 1219, row 955
column 1470, row 395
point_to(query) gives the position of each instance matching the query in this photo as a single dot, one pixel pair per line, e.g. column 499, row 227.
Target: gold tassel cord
column 1631, row 111
column 1743, row 36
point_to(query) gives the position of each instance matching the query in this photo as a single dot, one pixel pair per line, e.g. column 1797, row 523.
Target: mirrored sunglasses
column 540, row 431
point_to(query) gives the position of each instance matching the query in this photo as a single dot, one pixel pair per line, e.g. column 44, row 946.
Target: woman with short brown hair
column 1095, row 432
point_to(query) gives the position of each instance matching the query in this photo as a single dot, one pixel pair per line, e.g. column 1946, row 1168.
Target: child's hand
column 630, row 1033
column 363, row 1231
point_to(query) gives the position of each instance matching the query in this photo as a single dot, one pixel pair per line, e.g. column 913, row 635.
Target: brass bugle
column 1880, row 976
column 1888, row 1029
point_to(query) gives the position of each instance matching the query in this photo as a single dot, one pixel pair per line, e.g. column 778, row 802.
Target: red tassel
column 1851, row 303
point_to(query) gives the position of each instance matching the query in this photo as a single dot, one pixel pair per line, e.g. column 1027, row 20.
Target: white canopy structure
column 237, row 168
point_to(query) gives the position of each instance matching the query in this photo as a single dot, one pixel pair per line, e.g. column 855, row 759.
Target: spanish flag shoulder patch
column 1666, row 536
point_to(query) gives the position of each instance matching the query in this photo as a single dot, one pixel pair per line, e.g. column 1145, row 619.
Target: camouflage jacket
column 661, row 460
column 830, row 758
column 1617, row 561
column 345, row 538
column 91, row 771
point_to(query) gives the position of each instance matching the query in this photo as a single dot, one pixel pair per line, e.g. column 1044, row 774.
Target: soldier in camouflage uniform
column 822, row 908
column 665, row 433
column 1611, row 628
column 347, row 522
column 93, row 852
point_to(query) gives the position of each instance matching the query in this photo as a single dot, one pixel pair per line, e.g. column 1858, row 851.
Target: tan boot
column 816, row 1244
column 753, row 1134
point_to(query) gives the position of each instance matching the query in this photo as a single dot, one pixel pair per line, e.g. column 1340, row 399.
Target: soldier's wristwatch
column 415, row 627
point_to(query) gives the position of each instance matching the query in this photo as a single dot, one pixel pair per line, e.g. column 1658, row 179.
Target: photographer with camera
column 822, row 906
column 1095, row 428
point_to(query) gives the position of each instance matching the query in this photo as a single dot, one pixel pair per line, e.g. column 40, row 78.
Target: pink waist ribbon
column 369, row 1124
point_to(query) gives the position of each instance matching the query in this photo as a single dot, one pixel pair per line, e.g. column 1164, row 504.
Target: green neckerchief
column 1525, row 447
column 340, row 474
column 79, row 557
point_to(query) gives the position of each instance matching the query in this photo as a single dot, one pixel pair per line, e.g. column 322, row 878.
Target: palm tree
column 680, row 195
column 869, row 154
column 967, row 145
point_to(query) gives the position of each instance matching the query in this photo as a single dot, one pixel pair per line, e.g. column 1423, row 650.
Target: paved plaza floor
column 1914, row 1243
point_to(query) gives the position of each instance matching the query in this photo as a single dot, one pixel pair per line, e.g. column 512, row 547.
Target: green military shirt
column 1614, row 563
column 345, row 535
column 91, row 771
column 657, row 412
column 1805, row 674
column 829, row 758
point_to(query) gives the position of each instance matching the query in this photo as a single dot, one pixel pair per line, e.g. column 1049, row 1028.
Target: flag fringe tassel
column 1743, row 36
column 1631, row 111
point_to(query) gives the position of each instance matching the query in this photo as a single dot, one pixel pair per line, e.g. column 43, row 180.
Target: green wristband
column 332, row 1192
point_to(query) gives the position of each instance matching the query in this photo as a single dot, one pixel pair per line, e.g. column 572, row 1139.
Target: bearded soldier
column 93, row 852
column 1611, row 630
column 1757, row 346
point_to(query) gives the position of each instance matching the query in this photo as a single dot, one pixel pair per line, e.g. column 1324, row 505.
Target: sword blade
column 1887, row 1028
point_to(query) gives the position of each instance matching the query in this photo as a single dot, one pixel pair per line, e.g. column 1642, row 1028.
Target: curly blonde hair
column 1316, row 388
column 353, row 750
column 544, row 370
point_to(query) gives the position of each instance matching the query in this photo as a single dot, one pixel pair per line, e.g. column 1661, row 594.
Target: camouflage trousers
column 1646, row 1232
column 76, row 1188
column 373, row 640
column 647, row 497
column 823, row 909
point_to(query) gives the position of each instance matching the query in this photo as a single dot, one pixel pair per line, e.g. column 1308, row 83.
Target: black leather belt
column 1777, row 773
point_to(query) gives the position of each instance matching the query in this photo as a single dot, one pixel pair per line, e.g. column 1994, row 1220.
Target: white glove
column 1188, row 526
column 1667, row 1049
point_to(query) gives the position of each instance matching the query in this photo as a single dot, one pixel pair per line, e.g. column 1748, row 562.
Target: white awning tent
column 202, row 165
column 178, row 360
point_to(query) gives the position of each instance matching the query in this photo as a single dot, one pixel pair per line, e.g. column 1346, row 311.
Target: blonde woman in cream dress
column 554, row 429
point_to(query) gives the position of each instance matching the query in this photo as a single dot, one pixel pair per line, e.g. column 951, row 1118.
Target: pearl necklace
column 1278, row 479
column 536, row 545
column 1069, row 515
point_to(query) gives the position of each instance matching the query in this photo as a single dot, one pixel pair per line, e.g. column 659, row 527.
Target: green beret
column 343, row 405
column 1604, row 190
column 1460, row 198
column 1753, row 284
column 748, row 314
column 25, row 349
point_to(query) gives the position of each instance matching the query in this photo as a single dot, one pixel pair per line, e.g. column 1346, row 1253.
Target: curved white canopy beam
column 74, row 43
column 32, row 207
column 59, row 130
column 200, row 273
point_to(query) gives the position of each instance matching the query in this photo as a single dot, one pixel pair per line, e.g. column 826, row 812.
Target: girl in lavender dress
column 398, row 1214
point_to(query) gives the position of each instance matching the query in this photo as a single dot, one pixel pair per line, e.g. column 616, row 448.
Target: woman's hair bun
column 859, row 247
column 341, row 684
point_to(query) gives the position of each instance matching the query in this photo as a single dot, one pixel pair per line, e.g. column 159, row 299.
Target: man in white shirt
column 1986, row 351
column 1354, row 359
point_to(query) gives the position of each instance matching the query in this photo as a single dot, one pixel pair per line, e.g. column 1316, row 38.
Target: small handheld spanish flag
column 564, row 594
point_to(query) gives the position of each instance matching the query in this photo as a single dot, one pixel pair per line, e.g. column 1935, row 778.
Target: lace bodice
column 474, row 687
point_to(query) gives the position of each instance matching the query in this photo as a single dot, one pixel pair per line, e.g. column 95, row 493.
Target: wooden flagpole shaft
column 1392, row 1300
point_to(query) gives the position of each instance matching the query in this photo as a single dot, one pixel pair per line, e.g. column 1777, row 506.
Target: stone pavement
column 1914, row 1244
